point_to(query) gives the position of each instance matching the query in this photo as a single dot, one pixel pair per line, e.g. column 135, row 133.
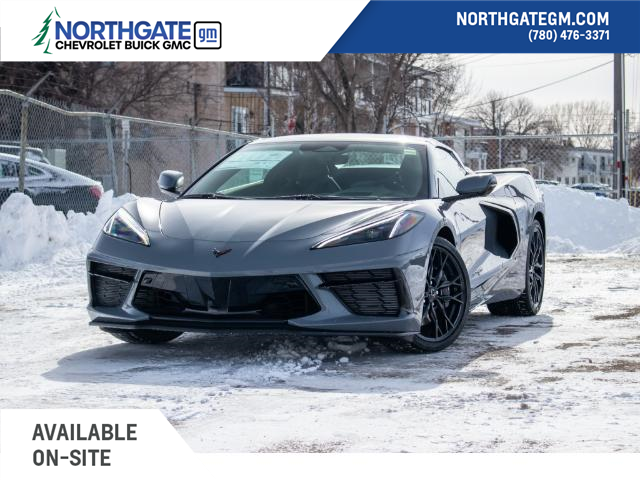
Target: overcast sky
column 513, row 73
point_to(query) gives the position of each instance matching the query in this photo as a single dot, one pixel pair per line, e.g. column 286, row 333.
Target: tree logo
column 42, row 34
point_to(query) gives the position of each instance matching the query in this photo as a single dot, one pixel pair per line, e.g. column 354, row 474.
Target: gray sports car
column 345, row 234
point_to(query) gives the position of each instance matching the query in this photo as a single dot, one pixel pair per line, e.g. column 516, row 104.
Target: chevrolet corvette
column 332, row 234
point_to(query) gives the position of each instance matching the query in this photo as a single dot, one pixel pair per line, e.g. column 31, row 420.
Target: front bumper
column 333, row 315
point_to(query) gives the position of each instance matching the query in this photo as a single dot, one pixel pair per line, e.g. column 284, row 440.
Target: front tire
column 144, row 337
column 530, row 300
column 447, row 298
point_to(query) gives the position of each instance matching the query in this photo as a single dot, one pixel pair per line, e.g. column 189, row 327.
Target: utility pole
column 618, row 121
column 196, row 95
column 192, row 133
column 499, row 137
column 24, row 125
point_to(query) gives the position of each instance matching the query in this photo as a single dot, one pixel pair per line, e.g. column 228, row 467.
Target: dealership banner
column 127, row 444
column 286, row 30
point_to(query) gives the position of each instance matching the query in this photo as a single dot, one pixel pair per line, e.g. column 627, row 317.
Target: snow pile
column 579, row 222
column 281, row 358
column 30, row 233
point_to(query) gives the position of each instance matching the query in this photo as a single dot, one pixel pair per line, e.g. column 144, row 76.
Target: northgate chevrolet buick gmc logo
column 127, row 35
column 44, row 32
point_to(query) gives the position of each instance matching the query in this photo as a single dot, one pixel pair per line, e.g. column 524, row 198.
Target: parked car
column 599, row 190
column 35, row 154
column 547, row 182
column 375, row 235
column 49, row 185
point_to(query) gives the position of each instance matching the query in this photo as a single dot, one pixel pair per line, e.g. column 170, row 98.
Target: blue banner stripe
column 432, row 27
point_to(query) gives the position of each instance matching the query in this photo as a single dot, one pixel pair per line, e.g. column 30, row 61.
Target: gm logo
column 207, row 35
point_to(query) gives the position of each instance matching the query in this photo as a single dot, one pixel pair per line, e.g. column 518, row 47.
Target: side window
column 8, row 169
column 34, row 172
column 448, row 172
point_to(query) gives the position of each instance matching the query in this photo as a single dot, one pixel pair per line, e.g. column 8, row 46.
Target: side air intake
column 501, row 234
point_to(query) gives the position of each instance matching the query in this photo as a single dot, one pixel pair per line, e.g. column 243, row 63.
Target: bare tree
column 402, row 72
column 450, row 86
column 369, row 92
column 582, row 118
column 516, row 116
column 524, row 117
column 125, row 87
column 334, row 79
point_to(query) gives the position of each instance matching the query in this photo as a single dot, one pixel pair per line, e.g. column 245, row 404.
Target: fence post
column 499, row 148
column 216, row 154
column 111, row 153
column 192, row 152
column 126, row 179
column 24, row 124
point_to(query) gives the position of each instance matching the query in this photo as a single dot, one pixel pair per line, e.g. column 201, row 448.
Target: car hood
column 223, row 220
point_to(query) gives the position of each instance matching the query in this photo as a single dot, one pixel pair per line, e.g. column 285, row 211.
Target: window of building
column 239, row 119
column 244, row 74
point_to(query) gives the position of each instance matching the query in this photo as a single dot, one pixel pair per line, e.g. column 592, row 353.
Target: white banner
column 238, row 30
column 138, row 444
column 70, row 443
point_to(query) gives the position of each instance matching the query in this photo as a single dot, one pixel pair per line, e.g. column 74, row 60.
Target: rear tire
column 147, row 337
column 530, row 300
column 447, row 298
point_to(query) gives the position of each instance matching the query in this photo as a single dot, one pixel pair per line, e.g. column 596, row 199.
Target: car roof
column 17, row 147
column 15, row 158
column 48, row 167
column 30, row 150
column 351, row 137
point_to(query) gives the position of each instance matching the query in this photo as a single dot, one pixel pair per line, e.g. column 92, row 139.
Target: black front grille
column 366, row 292
column 279, row 297
column 113, row 271
column 109, row 284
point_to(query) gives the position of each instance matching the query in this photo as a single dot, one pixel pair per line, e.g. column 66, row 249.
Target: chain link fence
column 71, row 153
column 126, row 154
column 581, row 161
column 632, row 192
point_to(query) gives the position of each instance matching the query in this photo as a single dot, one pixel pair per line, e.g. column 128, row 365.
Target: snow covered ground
column 565, row 380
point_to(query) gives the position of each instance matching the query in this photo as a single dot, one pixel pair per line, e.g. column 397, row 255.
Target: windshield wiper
column 211, row 195
column 299, row 196
column 314, row 196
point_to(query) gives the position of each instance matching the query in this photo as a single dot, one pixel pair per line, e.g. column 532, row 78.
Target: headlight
column 122, row 225
column 383, row 229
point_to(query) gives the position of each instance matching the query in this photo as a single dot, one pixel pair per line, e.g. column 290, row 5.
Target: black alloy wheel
column 446, row 300
column 535, row 268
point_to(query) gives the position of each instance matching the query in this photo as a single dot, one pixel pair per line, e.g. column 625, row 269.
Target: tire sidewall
column 423, row 343
column 535, row 226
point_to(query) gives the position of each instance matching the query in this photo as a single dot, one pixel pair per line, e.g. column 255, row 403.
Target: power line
column 541, row 62
column 478, row 59
column 540, row 87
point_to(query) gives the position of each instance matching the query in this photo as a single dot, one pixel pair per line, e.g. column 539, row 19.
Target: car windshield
column 318, row 170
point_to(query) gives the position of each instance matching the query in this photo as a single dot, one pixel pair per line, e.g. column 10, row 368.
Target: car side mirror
column 171, row 182
column 476, row 185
